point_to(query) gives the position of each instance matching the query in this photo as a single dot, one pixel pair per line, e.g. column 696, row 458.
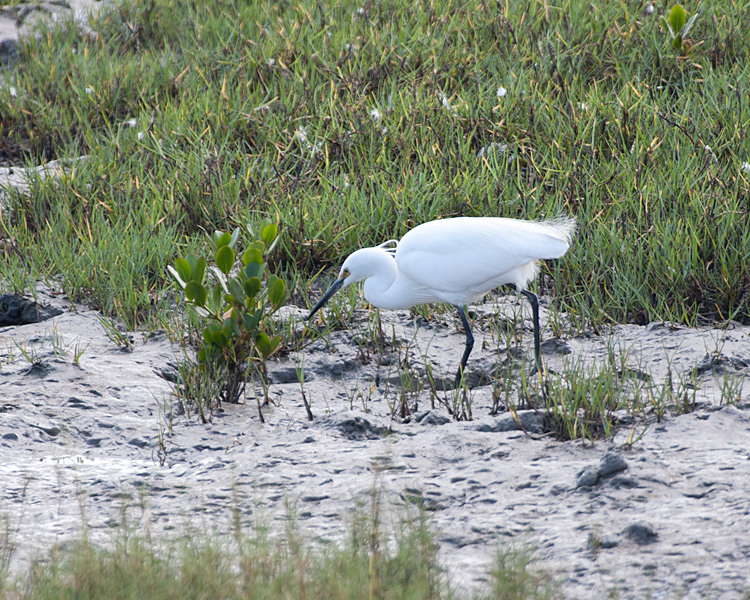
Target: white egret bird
column 456, row 260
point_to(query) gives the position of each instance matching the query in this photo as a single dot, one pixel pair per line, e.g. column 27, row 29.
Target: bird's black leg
column 469, row 343
column 535, row 315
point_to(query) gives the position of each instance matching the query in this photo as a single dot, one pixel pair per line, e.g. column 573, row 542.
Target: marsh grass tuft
column 209, row 115
column 380, row 557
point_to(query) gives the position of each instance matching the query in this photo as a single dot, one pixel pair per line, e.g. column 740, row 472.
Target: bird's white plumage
column 456, row 260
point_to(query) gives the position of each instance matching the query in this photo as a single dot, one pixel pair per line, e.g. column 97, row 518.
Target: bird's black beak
column 326, row 297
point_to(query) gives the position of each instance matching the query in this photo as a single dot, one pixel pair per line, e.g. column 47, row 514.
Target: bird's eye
column 344, row 274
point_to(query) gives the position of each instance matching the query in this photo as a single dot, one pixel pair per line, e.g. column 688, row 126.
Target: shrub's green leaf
column 176, row 275
column 220, row 338
column 221, row 238
column 208, row 332
column 183, row 268
column 196, row 293
column 234, row 238
column 276, row 291
column 201, row 312
column 235, row 289
column 191, row 260
column 199, row 270
column 251, row 320
column 221, row 279
column 230, row 323
column 215, row 303
column 677, row 18
column 677, row 42
column 225, row 259
column 252, row 256
column 252, row 269
column 269, row 234
column 252, row 287
column 267, row 346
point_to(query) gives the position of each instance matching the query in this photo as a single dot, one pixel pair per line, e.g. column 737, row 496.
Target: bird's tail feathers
column 562, row 226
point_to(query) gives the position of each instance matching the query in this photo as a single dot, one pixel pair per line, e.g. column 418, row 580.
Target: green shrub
column 237, row 306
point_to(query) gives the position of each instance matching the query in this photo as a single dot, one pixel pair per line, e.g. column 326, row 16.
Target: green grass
column 601, row 121
column 375, row 561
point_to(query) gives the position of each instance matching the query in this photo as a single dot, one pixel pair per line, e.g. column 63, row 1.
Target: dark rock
column 587, row 478
column 554, row 346
column 17, row 310
column 530, row 421
column 596, row 543
column 314, row 498
column 8, row 51
column 39, row 370
column 432, row 417
column 640, row 533
column 74, row 402
column 170, row 373
column 10, row 436
column 139, row 443
column 624, row 482
column 95, row 442
column 611, row 463
column 351, row 427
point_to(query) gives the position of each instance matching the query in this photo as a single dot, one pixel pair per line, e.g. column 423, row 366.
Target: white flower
column 131, row 123
column 501, row 92
column 746, row 167
column 271, row 62
column 361, row 12
column 493, row 146
column 301, row 134
column 583, row 106
column 141, row 135
column 650, row 9
column 711, row 152
column 89, row 90
column 375, row 114
column 13, row 91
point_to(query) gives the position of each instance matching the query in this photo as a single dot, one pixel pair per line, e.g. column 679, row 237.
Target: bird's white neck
column 378, row 286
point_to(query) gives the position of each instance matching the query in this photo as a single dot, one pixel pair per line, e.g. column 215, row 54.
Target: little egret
column 456, row 260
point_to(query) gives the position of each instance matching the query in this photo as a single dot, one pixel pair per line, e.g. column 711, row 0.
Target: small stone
column 555, row 346
column 10, row 436
column 139, row 443
column 17, row 310
column 611, row 463
column 432, row 417
column 640, row 533
column 587, row 478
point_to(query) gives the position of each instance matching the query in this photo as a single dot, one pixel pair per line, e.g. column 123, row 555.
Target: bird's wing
column 455, row 254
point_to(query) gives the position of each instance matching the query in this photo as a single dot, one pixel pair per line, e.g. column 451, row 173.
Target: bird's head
column 358, row 266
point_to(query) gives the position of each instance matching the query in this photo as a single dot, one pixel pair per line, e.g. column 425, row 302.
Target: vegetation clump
column 237, row 307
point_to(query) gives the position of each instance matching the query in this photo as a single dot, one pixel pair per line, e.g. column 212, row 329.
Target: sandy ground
column 665, row 516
